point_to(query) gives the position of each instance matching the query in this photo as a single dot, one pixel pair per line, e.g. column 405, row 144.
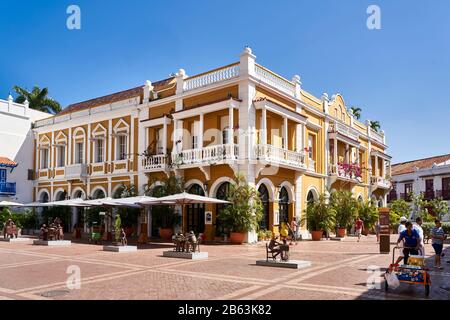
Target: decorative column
column 110, row 155
column 165, row 136
column 230, row 130
column 376, row 166
column 200, row 131
column 298, row 87
column 285, row 133
column 264, row 126
column 335, row 154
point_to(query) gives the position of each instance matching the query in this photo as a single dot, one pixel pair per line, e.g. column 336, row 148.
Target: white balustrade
column 154, row 162
column 207, row 154
column 344, row 130
column 274, row 80
column 380, row 181
column 78, row 171
column 376, row 136
column 206, row 79
column 274, row 154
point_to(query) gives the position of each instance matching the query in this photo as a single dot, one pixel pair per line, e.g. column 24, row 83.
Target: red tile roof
column 408, row 167
column 115, row 97
column 6, row 162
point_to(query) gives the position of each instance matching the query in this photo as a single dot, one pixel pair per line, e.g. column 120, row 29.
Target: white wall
column 16, row 143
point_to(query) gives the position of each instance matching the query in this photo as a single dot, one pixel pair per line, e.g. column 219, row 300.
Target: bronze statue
column 10, row 229
column 179, row 241
column 191, row 243
column 277, row 248
column 43, row 235
column 54, row 231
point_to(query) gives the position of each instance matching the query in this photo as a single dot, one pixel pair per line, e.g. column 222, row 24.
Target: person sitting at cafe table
column 412, row 241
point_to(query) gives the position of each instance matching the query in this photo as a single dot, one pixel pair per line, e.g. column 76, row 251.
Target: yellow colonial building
column 242, row 117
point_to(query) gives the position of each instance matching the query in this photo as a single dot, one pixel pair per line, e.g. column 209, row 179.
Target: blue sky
column 398, row 75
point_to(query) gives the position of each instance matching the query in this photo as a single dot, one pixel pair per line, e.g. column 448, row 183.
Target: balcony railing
column 444, row 194
column 392, row 196
column 209, row 154
column 380, row 182
column 347, row 171
column 311, row 165
column 76, row 171
column 428, row 195
column 274, row 80
column 344, row 130
column 377, row 136
column 155, row 162
column 274, row 154
column 212, row 77
column 405, row 196
column 8, row 188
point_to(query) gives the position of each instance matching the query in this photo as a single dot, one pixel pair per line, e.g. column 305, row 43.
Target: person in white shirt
column 418, row 227
column 401, row 227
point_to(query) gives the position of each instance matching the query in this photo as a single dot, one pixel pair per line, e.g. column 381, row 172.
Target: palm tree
column 375, row 125
column 356, row 112
column 38, row 99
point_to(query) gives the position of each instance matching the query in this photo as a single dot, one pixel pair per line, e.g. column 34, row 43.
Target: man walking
column 418, row 227
column 437, row 241
column 359, row 227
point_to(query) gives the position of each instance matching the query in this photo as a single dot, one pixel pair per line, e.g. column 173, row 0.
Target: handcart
column 415, row 272
column 96, row 235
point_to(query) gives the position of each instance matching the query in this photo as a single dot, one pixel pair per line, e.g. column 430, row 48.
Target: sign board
column 208, row 217
column 385, row 237
column 102, row 213
column 276, row 217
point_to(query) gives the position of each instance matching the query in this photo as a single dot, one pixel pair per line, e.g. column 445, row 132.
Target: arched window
column 310, row 197
column 44, row 197
column 78, row 195
column 360, row 199
column 222, row 194
column 264, row 196
column 283, row 205
column 195, row 213
column 62, row 195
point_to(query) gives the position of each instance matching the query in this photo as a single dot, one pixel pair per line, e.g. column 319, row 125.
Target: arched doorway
column 310, row 198
column 222, row 194
column 195, row 213
column 44, row 197
column 98, row 194
column 157, row 192
column 283, row 205
column 78, row 194
column 78, row 213
column 60, row 196
column 264, row 196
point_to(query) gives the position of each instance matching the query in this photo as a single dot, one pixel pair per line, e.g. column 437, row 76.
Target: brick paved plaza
column 338, row 271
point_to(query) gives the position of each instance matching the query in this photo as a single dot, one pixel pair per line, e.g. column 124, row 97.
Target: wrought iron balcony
column 444, row 194
column 8, row 188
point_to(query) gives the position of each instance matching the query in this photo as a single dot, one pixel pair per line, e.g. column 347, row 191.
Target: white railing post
column 297, row 87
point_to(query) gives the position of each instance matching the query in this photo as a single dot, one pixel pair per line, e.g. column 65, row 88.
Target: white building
column 16, row 150
column 430, row 177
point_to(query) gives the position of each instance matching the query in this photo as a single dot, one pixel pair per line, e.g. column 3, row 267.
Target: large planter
column 166, row 233
column 237, row 237
column 316, row 235
column 341, row 232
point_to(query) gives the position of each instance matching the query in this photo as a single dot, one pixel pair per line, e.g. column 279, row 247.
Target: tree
column 419, row 207
column 356, row 112
column 38, row 99
column 246, row 210
column 345, row 206
column 368, row 213
column 439, row 207
column 399, row 208
column 375, row 125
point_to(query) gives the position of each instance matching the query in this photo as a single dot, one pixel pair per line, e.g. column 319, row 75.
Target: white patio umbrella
column 128, row 202
column 69, row 203
column 10, row 204
column 38, row 204
column 182, row 199
column 97, row 202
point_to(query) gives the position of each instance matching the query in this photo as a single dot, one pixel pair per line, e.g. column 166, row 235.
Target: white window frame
column 79, row 149
column 45, row 164
column 60, row 154
column 96, row 150
column 119, row 137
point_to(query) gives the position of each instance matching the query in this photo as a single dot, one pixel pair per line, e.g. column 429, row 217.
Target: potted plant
column 345, row 207
column 244, row 212
column 319, row 217
column 368, row 213
column 261, row 235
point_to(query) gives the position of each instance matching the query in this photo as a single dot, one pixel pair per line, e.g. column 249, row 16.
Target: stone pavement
column 338, row 271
